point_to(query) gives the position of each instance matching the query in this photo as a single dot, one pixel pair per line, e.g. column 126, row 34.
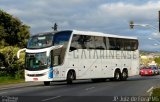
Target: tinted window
column 112, row 43
column 89, row 42
column 134, row 45
column 106, row 41
column 119, row 44
column 99, row 43
column 76, row 42
column 127, row 44
column 62, row 37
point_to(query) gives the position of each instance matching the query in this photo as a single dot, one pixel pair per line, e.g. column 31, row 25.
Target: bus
column 70, row 55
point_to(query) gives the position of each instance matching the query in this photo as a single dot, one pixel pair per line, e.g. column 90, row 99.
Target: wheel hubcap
column 71, row 76
column 117, row 76
column 124, row 74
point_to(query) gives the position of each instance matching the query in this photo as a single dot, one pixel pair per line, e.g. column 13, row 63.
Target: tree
column 13, row 36
column 10, row 62
column 157, row 60
column 12, row 31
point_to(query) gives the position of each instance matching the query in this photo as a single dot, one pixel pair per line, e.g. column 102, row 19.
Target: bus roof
column 101, row 34
column 87, row 33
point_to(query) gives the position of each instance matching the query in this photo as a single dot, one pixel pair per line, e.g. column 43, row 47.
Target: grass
column 10, row 80
column 156, row 92
column 155, row 97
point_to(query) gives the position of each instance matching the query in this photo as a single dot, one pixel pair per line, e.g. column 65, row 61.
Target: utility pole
column 55, row 27
column 159, row 21
column 131, row 24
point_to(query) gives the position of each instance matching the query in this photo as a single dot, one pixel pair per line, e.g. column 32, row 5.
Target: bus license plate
column 35, row 79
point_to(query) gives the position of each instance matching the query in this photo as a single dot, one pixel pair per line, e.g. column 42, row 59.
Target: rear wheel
column 124, row 75
column 117, row 75
column 70, row 77
column 46, row 83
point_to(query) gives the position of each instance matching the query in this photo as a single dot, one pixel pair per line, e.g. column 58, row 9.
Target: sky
column 107, row 16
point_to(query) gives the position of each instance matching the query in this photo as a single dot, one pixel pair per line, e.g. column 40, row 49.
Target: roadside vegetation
column 156, row 92
column 13, row 36
column 145, row 61
column 155, row 95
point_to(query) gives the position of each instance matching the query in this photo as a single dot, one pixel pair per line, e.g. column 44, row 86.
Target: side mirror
column 19, row 51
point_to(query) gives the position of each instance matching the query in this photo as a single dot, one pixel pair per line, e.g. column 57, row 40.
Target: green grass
column 10, row 80
column 155, row 95
column 156, row 92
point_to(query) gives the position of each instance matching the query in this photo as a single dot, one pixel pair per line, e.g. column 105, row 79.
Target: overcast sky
column 107, row 16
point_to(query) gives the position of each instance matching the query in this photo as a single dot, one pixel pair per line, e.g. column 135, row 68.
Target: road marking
column 149, row 90
column 89, row 88
column 17, row 90
column 51, row 98
column 3, row 92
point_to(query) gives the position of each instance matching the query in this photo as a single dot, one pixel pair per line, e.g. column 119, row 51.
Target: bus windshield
column 36, row 61
column 40, row 41
column 48, row 40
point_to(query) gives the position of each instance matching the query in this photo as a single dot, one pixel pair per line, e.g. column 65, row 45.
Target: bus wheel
column 70, row 77
column 46, row 83
column 124, row 75
column 117, row 75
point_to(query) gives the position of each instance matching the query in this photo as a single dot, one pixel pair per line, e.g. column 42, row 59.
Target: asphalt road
column 84, row 91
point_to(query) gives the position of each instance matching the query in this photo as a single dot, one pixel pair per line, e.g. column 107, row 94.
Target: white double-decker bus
column 70, row 55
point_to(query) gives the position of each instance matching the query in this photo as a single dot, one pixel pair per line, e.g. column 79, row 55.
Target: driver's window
column 56, row 61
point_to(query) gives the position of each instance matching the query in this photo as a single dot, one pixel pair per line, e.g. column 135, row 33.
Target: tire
column 46, row 83
column 117, row 75
column 70, row 77
column 124, row 75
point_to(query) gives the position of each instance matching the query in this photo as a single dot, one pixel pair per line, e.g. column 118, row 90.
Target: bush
column 12, row 64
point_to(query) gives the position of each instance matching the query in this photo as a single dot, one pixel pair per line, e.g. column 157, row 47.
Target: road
column 83, row 91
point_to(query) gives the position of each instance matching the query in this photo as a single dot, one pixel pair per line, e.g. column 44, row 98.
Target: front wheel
column 46, row 83
column 70, row 77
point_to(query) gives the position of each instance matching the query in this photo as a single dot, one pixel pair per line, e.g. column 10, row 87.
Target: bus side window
column 127, row 44
column 75, row 43
column 89, row 42
column 134, row 45
column 106, row 41
column 112, row 43
column 118, row 44
column 57, row 57
column 99, row 43
column 56, row 60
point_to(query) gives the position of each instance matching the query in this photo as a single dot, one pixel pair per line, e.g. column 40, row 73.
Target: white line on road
column 149, row 90
column 3, row 93
column 51, row 98
column 89, row 88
